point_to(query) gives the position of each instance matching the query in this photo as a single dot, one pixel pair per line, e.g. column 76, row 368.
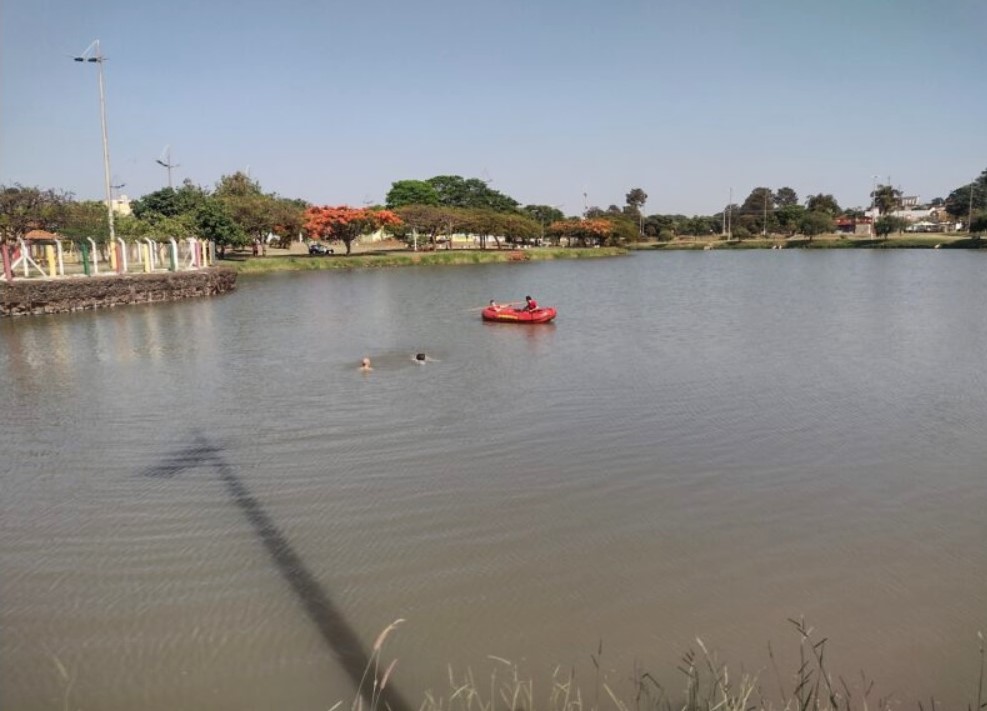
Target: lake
column 704, row 444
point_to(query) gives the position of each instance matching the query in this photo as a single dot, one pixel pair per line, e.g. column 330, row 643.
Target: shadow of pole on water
column 327, row 617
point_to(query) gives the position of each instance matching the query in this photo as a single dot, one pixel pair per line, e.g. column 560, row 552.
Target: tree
column 974, row 194
column 246, row 204
column 979, row 222
column 816, row 223
column 23, row 209
column 289, row 218
column 212, row 222
column 543, row 215
column 785, row 197
column 790, row 218
column 886, row 199
column 346, row 223
column 636, row 199
column 430, row 220
column 169, row 202
column 823, row 203
column 87, row 219
column 588, row 231
column 757, row 211
column 455, row 191
column 886, row 224
column 411, row 192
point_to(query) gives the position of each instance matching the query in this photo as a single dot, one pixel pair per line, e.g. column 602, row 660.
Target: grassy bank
column 931, row 241
column 403, row 258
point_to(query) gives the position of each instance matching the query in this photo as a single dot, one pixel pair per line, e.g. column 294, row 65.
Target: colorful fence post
column 60, row 257
column 193, row 253
column 152, row 253
column 50, row 260
column 84, row 253
column 8, row 273
column 95, row 253
column 145, row 252
column 173, row 254
column 123, row 256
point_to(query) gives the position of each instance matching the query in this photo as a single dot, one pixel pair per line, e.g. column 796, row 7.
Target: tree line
column 237, row 211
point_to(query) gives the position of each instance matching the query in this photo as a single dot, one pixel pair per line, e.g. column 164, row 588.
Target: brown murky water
column 703, row 445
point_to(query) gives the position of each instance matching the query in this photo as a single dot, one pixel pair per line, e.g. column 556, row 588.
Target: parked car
column 318, row 249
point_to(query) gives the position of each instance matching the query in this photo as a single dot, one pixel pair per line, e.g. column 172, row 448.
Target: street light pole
column 97, row 58
column 764, row 227
column 166, row 163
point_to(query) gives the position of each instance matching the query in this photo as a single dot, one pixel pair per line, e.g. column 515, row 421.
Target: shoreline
column 829, row 241
column 35, row 297
column 387, row 258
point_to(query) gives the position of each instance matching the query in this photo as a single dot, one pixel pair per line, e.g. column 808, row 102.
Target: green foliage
column 958, row 202
column 624, row 230
column 23, row 209
column 698, row 226
column 886, row 224
column 816, row 223
column 635, row 200
column 212, row 222
column 789, row 218
column 88, row 219
column 823, row 203
column 886, row 198
column 161, row 227
column 544, row 214
column 979, row 223
column 169, row 202
column 455, row 191
column 429, row 221
column 411, row 192
column 785, row 197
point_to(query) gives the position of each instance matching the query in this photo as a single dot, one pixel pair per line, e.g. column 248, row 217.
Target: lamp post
column 93, row 54
column 165, row 162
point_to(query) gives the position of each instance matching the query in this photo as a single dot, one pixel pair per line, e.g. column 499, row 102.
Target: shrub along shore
column 284, row 261
column 407, row 258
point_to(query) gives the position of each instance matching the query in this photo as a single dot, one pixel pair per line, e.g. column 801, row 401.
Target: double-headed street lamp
column 93, row 54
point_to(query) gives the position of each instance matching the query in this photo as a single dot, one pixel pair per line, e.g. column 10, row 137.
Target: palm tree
column 886, row 199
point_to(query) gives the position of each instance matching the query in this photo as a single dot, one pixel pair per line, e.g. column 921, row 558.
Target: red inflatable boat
column 510, row 315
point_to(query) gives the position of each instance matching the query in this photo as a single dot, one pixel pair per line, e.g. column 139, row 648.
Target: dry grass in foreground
column 707, row 686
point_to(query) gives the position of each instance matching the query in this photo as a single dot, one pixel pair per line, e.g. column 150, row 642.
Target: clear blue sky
column 331, row 101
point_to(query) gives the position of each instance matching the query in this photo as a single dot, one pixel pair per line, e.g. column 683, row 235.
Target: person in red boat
column 530, row 304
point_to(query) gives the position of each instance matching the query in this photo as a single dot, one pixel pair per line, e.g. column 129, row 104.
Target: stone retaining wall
column 48, row 296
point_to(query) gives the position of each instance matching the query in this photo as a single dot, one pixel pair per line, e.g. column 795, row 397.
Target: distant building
column 121, row 206
column 862, row 226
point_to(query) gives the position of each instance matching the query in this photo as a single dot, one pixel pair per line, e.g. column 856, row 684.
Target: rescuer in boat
column 530, row 304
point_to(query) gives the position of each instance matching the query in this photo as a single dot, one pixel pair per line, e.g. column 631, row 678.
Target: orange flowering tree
column 586, row 231
column 346, row 223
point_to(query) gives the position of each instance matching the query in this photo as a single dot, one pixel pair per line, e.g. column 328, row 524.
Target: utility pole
column 166, row 155
column 764, row 229
column 730, row 216
column 97, row 58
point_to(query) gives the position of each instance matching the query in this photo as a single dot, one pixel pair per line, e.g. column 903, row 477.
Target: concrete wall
column 48, row 296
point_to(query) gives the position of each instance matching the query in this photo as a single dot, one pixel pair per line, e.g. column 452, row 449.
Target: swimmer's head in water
column 419, row 356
